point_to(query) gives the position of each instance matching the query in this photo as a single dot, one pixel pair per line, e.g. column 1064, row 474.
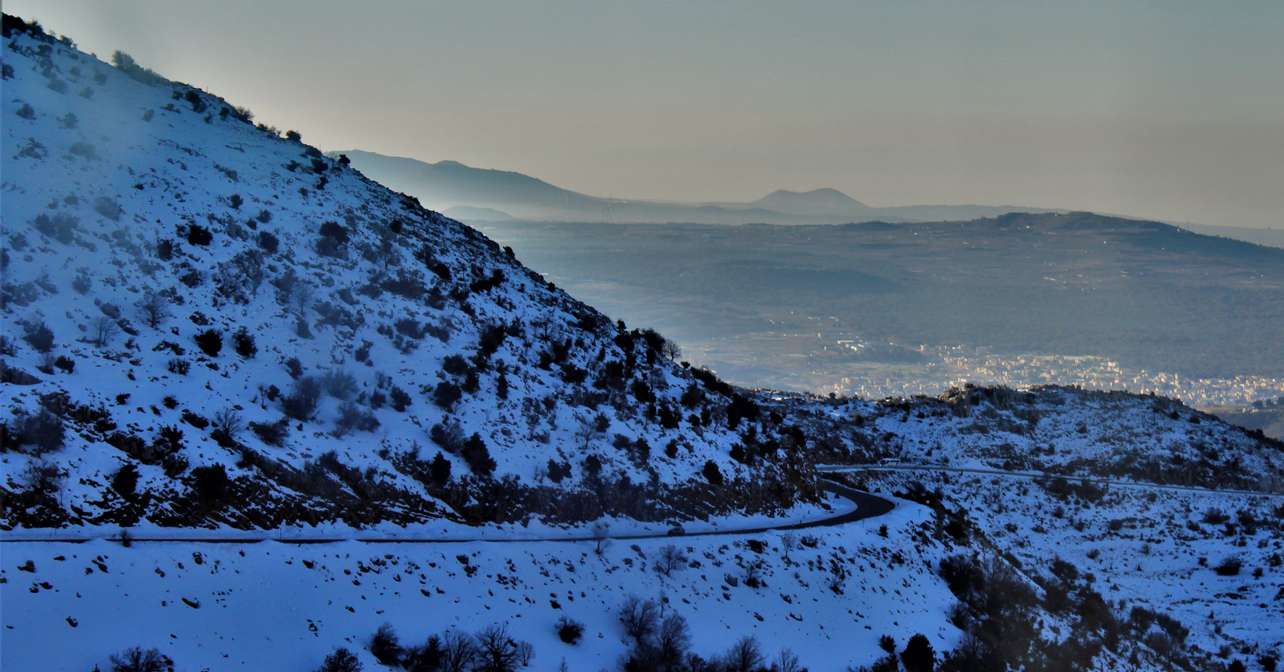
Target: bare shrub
column 38, row 336
column 671, row 559
column 104, row 330
column 140, row 660
column 339, row 384
column 302, row 402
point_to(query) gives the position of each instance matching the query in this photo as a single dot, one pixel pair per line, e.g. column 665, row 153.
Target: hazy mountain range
column 459, row 190
column 772, row 305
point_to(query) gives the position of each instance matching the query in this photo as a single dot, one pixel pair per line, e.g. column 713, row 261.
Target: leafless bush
column 671, row 559
column 139, row 660
column 339, row 384
column 104, row 330
column 640, row 618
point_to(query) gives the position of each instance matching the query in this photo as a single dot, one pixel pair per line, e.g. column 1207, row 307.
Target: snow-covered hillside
column 188, row 295
column 1194, row 571
column 282, row 405
column 1059, row 430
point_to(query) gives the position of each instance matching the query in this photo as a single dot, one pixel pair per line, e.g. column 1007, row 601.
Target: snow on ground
column 281, row 606
column 124, row 191
column 1157, row 549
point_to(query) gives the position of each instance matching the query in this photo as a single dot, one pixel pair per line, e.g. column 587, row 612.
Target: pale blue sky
column 1164, row 109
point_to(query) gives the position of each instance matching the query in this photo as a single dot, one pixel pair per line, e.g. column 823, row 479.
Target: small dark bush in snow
column 268, row 242
column 210, row 342
column 712, row 473
column 385, row 646
column 334, row 240
column 211, row 484
column 271, row 433
column 38, row 336
column 244, row 343
column 341, row 660
column 352, row 416
column 400, row 400
column 125, row 480
column 44, row 431
column 199, row 235
column 446, row 394
column 477, row 455
column 301, row 403
column 179, row 366
column 439, row 469
column 1229, row 567
column 1215, row 516
column 569, row 631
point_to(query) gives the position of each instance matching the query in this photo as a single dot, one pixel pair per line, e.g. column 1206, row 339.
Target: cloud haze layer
column 1172, row 111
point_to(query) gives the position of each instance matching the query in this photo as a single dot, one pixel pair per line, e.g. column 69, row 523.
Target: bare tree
column 671, row 559
column 301, row 298
column 228, row 422
column 601, row 537
column 788, row 542
column 744, row 656
column 497, row 651
column 786, row 661
column 585, row 431
column 104, row 330
column 640, row 618
column 154, row 308
column 458, row 652
column 672, row 641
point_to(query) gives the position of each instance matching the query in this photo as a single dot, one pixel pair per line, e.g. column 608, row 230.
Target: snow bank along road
column 856, row 468
column 865, row 505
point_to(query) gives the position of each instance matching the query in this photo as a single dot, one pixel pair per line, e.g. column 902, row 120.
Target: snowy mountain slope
column 340, row 336
column 1209, row 563
column 1059, row 430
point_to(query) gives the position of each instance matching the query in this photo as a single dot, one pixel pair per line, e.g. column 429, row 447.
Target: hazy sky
column 1165, row 109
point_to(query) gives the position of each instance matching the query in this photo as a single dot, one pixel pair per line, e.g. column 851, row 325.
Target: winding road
column 1032, row 475
column 867, row 506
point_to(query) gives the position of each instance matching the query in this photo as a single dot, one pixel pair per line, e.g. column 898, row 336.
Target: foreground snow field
column 285, row 606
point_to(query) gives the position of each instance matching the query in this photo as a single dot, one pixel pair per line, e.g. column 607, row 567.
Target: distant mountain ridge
column 449, row 184
column 823, row 201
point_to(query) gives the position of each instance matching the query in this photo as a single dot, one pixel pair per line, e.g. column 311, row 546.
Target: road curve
column 867, row 506
column 857, row 468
